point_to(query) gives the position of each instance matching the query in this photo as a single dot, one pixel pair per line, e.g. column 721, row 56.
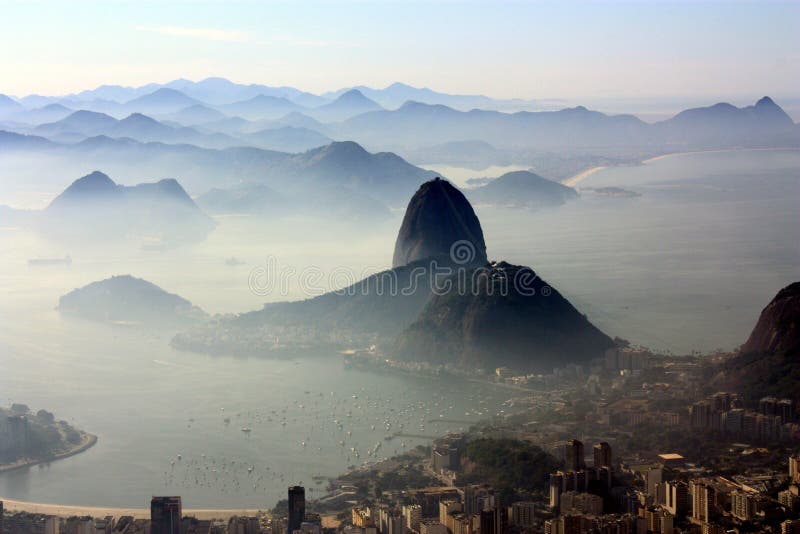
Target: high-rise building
column 556, row 485
column 768, row 406
column 297, row 508
column 677, row 498
column 653, row 477
column 447, row 508
column 573, row 455
column 794, row 469
column 785, row 410
column 522, row 514
column 702, row 501
column 488, row 521
column 602, row 455
column 412, row 514
column 744, row 505
column 789, row 499
column 165, row 515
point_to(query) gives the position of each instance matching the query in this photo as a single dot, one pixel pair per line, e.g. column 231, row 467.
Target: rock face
column 439, row 218
column 507, row 317
column 778, row 327
column 769, row 362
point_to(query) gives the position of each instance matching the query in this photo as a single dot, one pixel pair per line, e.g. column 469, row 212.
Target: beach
column 102, row 511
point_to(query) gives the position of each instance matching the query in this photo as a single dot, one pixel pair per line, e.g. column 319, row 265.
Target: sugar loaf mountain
column 416, row 311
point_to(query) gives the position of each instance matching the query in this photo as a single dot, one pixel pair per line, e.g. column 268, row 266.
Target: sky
column 505, row 49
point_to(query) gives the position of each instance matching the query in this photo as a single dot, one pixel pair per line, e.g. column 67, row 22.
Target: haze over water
column 686, row 266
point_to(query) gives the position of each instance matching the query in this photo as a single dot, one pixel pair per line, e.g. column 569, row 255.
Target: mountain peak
column 766, row 101
column 437, row 219
column 92, row 186
column 352, row 94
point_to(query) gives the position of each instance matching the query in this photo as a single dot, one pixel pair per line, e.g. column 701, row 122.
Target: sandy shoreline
column 102, row 511
column 574, row 180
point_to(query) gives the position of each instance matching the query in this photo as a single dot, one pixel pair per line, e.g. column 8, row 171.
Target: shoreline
column 577, row 178
column 61, row 510
column 88, row 441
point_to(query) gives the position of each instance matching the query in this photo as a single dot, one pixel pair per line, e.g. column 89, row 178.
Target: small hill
column 439, row 220
column 522, row 189
column 128, row 299
column 507, row 316
column 769, row 361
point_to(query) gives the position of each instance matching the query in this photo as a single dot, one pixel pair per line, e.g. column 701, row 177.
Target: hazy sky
column 505, row 49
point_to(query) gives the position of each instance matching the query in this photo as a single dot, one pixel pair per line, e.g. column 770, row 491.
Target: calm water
column 688, row 265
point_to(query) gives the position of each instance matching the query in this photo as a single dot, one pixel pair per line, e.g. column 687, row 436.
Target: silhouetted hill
column 128, row 299
column 287, row 139
column 769, row 361
column 163, row 100
column 720, row 124
column 417, row 125
column 261, row 107
column 507, row 317
column 778, row 327
column 9, row 106
column 397, row 93
column 10, row 141
column 439, row 222
column 384, row 175
column 348, row 104
column 196, row 114
column 45, row 114
column 82, row 121
column 94, row 207
column 135, row 126
column 522, row 189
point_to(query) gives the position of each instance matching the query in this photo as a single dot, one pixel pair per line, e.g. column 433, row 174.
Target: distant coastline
column 87, row 442
column 577, row 178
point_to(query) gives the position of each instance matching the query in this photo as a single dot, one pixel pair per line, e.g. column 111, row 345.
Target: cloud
column 209, row 34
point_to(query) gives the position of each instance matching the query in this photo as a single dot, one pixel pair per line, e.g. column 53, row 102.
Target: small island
column 28, row 438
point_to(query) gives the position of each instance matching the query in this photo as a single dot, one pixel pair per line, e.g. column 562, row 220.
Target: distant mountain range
column 425, row 125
